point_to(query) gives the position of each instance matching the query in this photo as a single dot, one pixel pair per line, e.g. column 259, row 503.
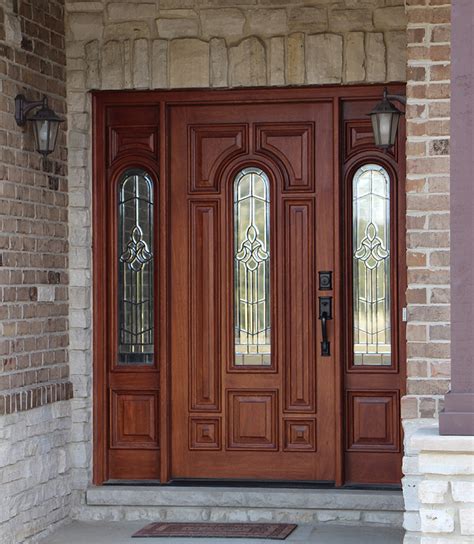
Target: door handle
column 325, row 313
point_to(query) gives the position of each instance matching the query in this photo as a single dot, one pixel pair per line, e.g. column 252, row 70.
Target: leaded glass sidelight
column 252, row 268
column 135, row 268
column 371, row 266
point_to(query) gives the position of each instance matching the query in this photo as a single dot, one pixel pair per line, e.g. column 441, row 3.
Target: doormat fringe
column 273, row 531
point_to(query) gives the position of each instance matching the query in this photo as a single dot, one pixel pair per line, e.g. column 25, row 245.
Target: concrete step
column 339, row 506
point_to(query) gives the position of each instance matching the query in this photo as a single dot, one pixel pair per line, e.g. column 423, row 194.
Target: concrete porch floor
column 119, row 532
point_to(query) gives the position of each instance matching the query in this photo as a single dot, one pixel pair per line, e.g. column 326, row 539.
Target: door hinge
column 404, row 315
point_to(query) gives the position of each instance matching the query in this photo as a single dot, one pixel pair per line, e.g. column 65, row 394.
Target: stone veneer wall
column 441, row 506
column 34, row 372
column 200, row 43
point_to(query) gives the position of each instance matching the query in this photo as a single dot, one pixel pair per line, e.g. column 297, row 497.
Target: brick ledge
column 27, row 399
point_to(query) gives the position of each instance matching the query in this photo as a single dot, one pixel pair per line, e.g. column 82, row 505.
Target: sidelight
column 371, row 266
column 135, row 268
column 252, row 268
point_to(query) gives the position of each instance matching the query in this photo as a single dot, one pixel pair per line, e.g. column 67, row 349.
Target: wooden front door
column 249, row 282
column 252, row 224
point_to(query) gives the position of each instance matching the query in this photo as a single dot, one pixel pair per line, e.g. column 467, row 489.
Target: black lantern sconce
column 385, row 118
column 45, row 122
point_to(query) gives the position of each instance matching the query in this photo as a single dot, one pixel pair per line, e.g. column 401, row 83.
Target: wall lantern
column 45, row 122
column 385, row 117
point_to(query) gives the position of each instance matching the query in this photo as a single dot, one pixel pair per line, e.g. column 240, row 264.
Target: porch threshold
column 351, row 506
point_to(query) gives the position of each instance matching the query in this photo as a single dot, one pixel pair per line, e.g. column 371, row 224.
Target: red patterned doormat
column 274, row 531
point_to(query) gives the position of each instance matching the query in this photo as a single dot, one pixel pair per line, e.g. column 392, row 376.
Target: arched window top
column 371, row 265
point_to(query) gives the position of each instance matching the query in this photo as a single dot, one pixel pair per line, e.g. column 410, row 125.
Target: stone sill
column 429, row 439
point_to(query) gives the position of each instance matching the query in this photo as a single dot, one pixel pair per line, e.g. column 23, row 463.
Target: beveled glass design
column 135, row 268
column 371, row 266
column 252, row 268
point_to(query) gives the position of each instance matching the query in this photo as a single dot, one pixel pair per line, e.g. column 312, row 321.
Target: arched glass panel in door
column 135, row 268
column 371, row 266
column 252, row 268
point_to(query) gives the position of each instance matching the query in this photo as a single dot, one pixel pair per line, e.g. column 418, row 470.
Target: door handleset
column 325, row 313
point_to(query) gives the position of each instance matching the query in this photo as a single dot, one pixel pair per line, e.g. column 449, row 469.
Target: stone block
column 446, row 463
column 92, row 61
column 308, row 19
column 437, row 520
column 276, row 61
column 396, row 43
column 354, row 57
column 225, row 23
column 219, row 62
column 433, row 491
column 247, row 63
column 112, row 65
column 323, row 58
column 159, row 64
column 132, row 30
column 410, row 492
column 85, row 27
column 189, row 63
column 390, row 18
column 462, row 491
column 177, row 28
column 411, row 521
column 130, row 11
column 466, row 519
column 295, row 68
column 267, row 22
column 375, row 57
column 349, row 20
column 141, row 64
column 84, row 6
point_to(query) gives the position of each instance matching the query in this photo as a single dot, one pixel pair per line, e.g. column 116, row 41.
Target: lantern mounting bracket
column 24, row 106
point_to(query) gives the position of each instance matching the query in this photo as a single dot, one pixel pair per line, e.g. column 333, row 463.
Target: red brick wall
column 33, row 212
column 428, row 92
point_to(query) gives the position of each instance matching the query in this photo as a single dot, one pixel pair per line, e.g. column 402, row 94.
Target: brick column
column 458, row 415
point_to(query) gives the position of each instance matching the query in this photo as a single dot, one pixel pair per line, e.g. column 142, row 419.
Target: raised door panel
column 252, row 420
column 209, row 146
column 292, row 144
column 204, row 298
column 134, row 421
column 298, row 320
column 373, row 420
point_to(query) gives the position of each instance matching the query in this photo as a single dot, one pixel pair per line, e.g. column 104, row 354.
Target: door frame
column 163, row 100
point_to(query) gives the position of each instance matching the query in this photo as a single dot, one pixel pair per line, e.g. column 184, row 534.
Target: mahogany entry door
column 249, row 284
column 252, row 204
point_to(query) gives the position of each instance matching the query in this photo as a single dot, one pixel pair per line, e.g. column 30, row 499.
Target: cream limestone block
column 141, row 64
column 308, row 19
column 324, row 58
column 189, row 63
column 225, row 23
column 247, row 63
column 92, row 60
column 466, row 518
column 354, row 57
column 295, row 68
column 130, row 11
column 267, row 22
column 84, row 6
column 433, row 491
column 348, row 20
column 219, row 63
column 462, row 491
column 390, row 18
column 131, row 30
column 437, row 521
column 276, row 63
column 85, row 26
column 396, row 55
column 159, row 64
column 177, row 28
column 375, row 57
column 112, row 65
